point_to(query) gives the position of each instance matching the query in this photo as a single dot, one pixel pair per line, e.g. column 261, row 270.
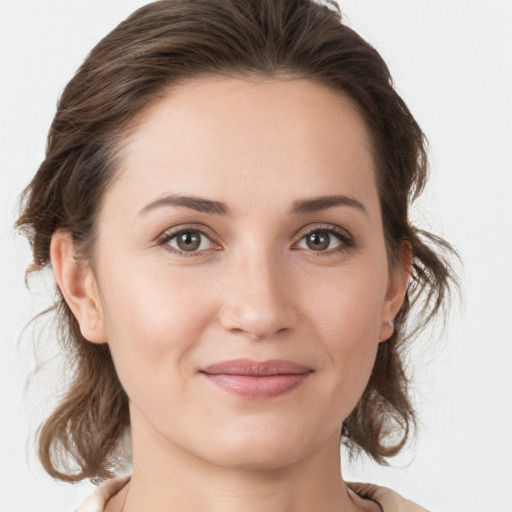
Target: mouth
column 257, row 379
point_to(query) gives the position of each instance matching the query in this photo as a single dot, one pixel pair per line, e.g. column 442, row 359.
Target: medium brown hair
column 170, row 41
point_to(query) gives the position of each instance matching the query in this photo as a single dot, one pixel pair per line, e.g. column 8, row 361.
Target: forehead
column 230, row 136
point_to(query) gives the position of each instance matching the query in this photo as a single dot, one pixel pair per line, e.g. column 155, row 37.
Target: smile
column 257, row 380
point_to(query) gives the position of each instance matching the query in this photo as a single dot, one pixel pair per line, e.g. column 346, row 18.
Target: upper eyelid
column 323, row 227
column 206, row 231
column 343, row 234
column 176, row 230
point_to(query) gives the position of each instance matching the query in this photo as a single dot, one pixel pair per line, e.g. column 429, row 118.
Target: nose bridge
column 258, row 302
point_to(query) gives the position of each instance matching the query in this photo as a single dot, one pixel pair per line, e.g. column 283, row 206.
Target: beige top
column 388, row 500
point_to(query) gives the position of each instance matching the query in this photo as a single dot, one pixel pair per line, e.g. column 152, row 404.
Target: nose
column 258, row 298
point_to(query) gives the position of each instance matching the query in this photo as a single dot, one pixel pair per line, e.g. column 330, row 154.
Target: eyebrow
column 193, row 202
column 300, row 207
column 317, row 204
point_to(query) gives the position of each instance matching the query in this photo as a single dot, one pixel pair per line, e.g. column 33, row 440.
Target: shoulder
column 389, row 500
column 98, row 499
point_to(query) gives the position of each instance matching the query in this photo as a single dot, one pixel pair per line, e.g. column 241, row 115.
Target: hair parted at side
column 171, row 41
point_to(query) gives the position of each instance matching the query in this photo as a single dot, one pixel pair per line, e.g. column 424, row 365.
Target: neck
column 166, row 478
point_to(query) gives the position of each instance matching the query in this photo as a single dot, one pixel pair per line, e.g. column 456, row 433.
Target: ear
column 397, row 286
column 77, row 284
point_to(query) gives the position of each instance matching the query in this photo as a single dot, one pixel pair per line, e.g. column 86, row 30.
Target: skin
column 254, row 289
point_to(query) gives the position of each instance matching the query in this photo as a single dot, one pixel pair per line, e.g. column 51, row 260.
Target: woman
column 224, row 203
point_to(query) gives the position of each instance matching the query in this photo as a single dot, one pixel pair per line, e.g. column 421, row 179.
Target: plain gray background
column 451, row 60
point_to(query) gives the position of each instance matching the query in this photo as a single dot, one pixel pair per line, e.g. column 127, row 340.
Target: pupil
column 318, row 241
column 189, row 241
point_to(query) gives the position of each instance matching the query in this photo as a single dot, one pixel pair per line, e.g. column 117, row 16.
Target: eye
column 330, row 240
column 187, row 241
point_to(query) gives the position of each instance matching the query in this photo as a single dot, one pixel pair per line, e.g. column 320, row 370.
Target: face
column 241, row 272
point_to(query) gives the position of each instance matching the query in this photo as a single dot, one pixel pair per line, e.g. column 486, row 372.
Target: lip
column 257, row 379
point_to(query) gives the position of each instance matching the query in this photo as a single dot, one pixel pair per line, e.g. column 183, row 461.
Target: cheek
column 153, row 320
column 348, row 317
column 349, row 305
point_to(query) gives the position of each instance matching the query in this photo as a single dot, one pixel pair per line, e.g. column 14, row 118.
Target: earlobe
column 397, row 288
column 77, row 284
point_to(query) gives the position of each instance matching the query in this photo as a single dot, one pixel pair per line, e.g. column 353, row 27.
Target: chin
column 257, row 458
column 268, row 449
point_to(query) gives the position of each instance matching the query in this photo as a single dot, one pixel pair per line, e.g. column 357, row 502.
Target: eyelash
column 346, row 240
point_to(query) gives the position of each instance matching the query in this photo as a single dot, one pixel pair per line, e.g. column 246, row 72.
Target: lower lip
column 247, row 386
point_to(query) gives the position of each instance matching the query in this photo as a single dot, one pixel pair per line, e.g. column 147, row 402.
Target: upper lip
column 256, row 368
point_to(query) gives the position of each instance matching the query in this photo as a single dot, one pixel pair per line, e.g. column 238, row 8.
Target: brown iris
column 318, row 241
column 189, row 241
